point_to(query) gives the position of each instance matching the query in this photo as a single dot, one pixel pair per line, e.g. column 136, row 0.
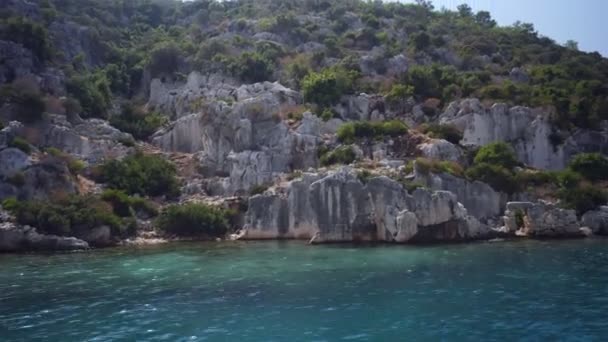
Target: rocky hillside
column 317, row 119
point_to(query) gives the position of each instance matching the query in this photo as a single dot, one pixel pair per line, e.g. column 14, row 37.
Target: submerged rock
column 20, row 239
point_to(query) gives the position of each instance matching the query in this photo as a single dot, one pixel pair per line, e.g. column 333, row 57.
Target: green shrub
column 569, row 179
column 26, row 96
column 327, row 114
column 583, row 199
column 21, row 144
column 139, row 123
column 30, row 34
column 71, row 216
column 17, row 179
column 193, row 220
column 141, row 174
column 92, row 91
column 251, row 67
column 364, row 176
column 439, row 131
column 164, row 59
column 127, row 206
column 350, row 131
column 258, row 189
column 592, row 166
column 528, row 178
column 497, row 176
column 399, row 93
column 426, row 166
column 76, row 166
column 325, row 88
column 498, row 153
column 341, row 155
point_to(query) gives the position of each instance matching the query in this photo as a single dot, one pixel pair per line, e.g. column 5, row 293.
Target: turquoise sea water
column 273, row 291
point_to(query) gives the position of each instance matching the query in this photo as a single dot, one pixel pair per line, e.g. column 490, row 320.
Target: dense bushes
column 251, row 67
column 128, row 206
column 31, row 35
column 439, row 131
column 341, row 155
column 498, row 153
column 425, row 166
column 583, row 198
column 493, row 164
column 92, row 91
column 498, row 177
column 26, row 96
column 193, row 220
column 164, row 59
column 138, row 122
column 69, row 216
column 350, row 131
column 326, row 87
column 21, row 144
column 592, row 166
column 141, row 174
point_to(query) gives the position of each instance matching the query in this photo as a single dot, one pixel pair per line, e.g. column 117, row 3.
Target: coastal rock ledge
column 341, row 207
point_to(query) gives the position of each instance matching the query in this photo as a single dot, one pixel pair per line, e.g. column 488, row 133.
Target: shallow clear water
column 274, row 291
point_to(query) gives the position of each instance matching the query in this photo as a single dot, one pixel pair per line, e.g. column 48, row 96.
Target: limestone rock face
column 40, row 181
column 361, row 107
column 20, row 239
column 17, row 61
column 596, row 220
column 479, row 198
column 92, row 140
column 541, row 220
column 527, row 130
column 338, row 207
column 12, row 160
column 245, row 139
column 440, row 149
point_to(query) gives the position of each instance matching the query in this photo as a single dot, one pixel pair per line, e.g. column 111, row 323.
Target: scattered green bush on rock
column 342, row 155
column 68, row 216
column 127, row 206
column 497, row 176
column 325, row 88
column 193, row 220
column 583, row 198
column 350, row 131
column 592, row 166
column 21, row 144
column 141, row 174
column 138, row 122
column 439, row 131
column 498, row 153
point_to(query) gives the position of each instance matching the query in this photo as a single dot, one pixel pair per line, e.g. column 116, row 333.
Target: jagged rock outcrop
column 362, row 107
column 596, row 220
column 541, row 220
column 14, row 238
column 528, row 130
column 479, row 198
column 440, row 149
column 337, row 207
column 17, row 61
column 246, row 140
column 92, row 140
column 13, row 160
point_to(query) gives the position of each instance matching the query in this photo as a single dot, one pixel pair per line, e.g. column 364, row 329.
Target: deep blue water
column 272, row 291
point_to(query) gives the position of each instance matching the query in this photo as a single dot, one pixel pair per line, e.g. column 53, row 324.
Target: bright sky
column 585, row 21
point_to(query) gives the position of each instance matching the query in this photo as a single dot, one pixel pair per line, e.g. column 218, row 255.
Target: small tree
column 592, row 166
column 498, row 153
